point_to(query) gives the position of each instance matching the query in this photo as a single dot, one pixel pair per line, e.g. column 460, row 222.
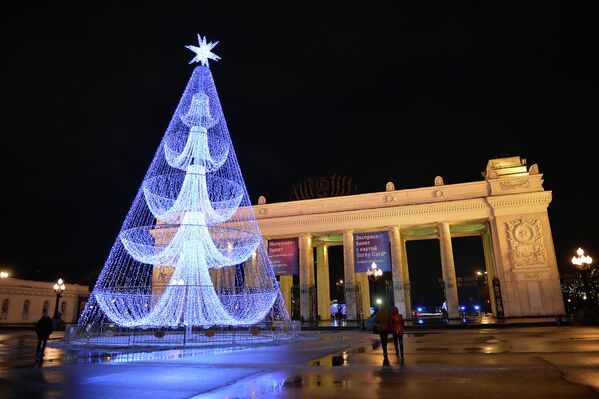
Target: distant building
column 23, row 301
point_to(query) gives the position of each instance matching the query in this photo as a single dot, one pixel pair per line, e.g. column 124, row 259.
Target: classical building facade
column 23, row 301
column 508, row 210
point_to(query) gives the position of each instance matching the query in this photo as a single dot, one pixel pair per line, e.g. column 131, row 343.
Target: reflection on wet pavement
column 22, row 354
column 71, row 356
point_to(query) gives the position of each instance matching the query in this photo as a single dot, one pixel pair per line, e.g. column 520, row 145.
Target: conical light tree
column 190, row 252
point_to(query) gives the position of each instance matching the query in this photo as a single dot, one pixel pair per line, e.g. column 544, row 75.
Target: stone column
column 306, row 275
column 406, row 275
column 448, row 268
column 312, row 290
column 489, row 266
column 220, row 279
column 251, row 271
column 509, row 297
column 285, row 284
column 229, row 276
column 322, row 283
column 362, row 280
column 252, row 268
column 398, row 259
column 349, row 274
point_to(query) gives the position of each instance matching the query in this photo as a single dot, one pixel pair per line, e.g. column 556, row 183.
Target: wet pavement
column 534, row 362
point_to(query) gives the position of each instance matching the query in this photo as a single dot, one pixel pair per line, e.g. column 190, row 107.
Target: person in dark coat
column 381, row 319
column 43, row 329
column 396, row 327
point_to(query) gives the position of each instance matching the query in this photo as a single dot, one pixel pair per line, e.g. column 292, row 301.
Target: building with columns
column 508, row 210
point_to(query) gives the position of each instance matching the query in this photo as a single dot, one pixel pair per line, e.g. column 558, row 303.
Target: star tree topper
column 204, row 51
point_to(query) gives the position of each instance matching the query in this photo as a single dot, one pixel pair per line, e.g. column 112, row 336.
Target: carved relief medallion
column 526, row 242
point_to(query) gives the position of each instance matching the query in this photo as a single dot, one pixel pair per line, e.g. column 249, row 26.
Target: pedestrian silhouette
column 381, row 322
column 396, row 326
column 43, row 329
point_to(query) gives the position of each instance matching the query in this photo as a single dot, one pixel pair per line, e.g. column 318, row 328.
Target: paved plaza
column 516, row 362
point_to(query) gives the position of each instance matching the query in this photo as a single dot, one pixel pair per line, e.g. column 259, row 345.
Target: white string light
column 191, row 217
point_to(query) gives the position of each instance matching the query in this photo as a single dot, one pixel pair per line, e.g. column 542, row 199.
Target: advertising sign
column 284, row 256
column 372, row 247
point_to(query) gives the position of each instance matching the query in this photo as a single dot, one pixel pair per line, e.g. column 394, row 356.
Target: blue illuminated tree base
column 110, row 335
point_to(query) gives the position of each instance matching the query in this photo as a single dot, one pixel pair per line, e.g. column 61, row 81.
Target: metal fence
column 111, row 335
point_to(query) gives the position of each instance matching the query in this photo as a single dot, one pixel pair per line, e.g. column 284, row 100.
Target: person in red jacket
column 396, row 327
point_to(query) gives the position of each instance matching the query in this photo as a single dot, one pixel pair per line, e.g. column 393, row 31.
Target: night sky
column 399, row 92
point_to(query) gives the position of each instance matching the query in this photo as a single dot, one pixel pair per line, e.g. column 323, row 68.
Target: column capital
column 443, row 229
column 348, row 236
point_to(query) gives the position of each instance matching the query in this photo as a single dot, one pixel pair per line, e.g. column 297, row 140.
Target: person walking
column 396, row 326
column 381, row 321
column 43, row 329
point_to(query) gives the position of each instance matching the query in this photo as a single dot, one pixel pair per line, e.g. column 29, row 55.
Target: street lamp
column 374, row 272
column 3, row 275
column 583, row 263
column 482, row 290
column 373, row 275
column 340, row 292
column 59, row 288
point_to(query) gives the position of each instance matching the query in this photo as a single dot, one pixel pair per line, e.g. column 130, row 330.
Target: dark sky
column 398, row 92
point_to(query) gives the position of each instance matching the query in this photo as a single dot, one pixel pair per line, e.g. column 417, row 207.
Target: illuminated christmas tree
column 190, row 252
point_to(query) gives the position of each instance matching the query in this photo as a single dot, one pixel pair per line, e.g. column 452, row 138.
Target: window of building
column 46, row 306
column 63, row 309
column 26, row 309
column 4, row 313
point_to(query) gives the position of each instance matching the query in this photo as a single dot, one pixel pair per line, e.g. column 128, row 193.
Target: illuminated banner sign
column 284, row 256
column 372, row 247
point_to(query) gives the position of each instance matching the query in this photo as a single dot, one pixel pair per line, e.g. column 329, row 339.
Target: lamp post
column 583, row 263
column 482, row 288
column 373, row 275
column 340, row 294
column 59, row 288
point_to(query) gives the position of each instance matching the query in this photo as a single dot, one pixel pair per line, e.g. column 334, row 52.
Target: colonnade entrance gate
column 508, row 210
